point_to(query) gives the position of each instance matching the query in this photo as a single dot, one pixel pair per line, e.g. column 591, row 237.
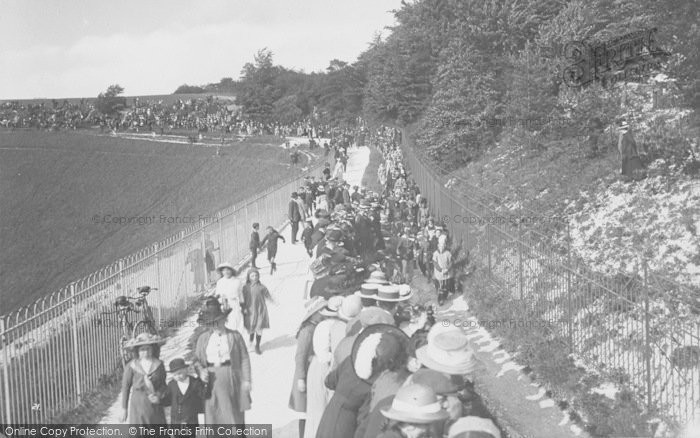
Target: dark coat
column 338, row 197
column 254, row 240
column 240, row 363
column 306, row 237
column 255, row 297
column 271, row 240
column 339, row 420
column 294, row 214
column 185, row 407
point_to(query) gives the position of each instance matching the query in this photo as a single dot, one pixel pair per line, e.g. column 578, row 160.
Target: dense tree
column 110, row 101
column 189, row 89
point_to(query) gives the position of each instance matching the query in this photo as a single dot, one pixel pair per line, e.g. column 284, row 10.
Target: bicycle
column 146, row 324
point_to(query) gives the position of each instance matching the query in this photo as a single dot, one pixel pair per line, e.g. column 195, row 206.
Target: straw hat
column 333, row 306
column 415, row 404
column 447, row 351
column 441, row 384
column 393, row 293
column 226, row 265
column 462, row 427
column 377, row 277
column 368, row 290
column 375, row 315
column 145, row 339
column 313, row 306
column 350, row 308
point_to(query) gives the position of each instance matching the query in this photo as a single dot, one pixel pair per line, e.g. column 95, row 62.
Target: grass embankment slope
column 60, row 191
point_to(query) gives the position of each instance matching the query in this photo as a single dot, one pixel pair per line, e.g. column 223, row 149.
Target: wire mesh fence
column 641, row 327
column 62, row 347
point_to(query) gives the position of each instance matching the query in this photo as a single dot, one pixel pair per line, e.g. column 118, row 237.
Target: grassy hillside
column 59, row 191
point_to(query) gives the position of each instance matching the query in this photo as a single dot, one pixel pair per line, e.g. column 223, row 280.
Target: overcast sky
column 76, row 48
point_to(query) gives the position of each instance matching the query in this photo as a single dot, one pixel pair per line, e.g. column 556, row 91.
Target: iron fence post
column 647, row 346
column 220, row 219
column 76, row 362
column 204, row 253
column 160, row 305
column 5, row 370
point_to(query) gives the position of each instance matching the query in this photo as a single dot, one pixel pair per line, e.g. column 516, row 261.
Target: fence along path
column 273, row 371
column 612, row 325
column 61, row 347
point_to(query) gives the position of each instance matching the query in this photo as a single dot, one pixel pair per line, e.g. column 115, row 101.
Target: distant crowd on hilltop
column 208, row 114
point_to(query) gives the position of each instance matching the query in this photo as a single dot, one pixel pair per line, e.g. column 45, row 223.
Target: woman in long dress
column 229, row 293
column 224, row 356
column 144, row 379
column 256, row 317
column 317, row 394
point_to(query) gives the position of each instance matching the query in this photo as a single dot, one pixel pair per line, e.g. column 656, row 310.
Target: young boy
column 254, row 244
column 185, row 394
column 306, row 237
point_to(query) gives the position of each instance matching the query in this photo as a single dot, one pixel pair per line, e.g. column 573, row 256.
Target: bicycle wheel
column 144, row 327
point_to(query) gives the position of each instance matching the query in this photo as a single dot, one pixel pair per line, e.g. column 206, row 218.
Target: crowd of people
column 46, row 116
column 369, row 362
column 207, row 114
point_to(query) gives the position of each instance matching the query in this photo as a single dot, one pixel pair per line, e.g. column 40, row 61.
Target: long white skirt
column 317, row 396
column 234, row 321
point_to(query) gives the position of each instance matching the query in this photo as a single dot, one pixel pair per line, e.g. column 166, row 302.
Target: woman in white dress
column 228, row 292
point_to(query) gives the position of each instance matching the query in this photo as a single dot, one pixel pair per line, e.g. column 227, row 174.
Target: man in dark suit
column 254, row 244
column 184, row 394
column 294, row 216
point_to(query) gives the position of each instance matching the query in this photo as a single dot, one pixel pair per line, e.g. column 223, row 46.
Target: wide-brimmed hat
column 145, row 339
column 375, row 315
column 447, row 351
column 441, row 383
column 176, row 365
column 212, row 312
column 415, row 404
column 226, row 265
column 313, row 306
column 377, row 277
column 334, row 236
column 368, row 290
column 332, row 306
column 350, row 308
column 464, row 425
column 377, row 341
column 393, row 293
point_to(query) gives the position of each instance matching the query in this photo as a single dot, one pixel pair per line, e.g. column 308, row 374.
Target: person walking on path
column 306, row 237
column 144, row 379
column 294, row 216
column 302, row 358
column 256, row 317
column 442, row 261
column 228, row 292
column 223, row 353
column 271, row 241
column 254, row 244
column 631, row 164
column 185, row 394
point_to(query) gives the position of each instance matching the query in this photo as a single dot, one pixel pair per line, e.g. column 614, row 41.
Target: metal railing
column 639, row 325
column 60, row 348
